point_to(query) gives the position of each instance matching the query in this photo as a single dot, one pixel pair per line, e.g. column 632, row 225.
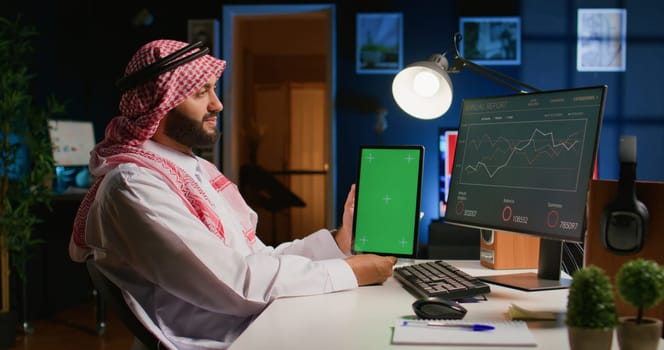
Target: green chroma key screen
column 387, row 200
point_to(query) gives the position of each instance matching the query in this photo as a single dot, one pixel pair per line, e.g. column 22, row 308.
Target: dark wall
column 634, row 104
column 84, row 46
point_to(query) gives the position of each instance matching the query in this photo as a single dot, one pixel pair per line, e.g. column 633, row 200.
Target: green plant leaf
column 26, row 157
column 590, row 302
column 640, row 283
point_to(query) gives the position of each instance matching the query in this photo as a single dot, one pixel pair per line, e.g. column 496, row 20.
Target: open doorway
column 278, row 113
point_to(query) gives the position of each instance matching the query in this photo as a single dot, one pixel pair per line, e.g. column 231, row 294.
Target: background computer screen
column 72, row 142
column 523, row 163
column 446, row 146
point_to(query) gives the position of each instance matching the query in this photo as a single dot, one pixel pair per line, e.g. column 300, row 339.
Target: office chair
column 111, row 294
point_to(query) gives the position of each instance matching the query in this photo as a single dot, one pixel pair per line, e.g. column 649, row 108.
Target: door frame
column 230, row 128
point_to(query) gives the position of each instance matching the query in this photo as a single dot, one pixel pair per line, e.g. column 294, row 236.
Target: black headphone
column 625, row 220
column 165, row 64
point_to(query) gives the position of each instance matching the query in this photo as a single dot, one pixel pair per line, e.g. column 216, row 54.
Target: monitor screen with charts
column 523, row 164
column 387, row 200
column 72, row 141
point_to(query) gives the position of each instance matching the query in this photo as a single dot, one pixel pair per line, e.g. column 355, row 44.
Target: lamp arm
column 497, row 77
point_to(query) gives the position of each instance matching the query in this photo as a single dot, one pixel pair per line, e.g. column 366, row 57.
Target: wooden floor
column 75, row 329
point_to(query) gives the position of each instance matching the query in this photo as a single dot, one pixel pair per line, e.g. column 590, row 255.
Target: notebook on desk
column 387, row 200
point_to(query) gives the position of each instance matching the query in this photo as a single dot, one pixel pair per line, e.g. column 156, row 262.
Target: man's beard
column 188, row 131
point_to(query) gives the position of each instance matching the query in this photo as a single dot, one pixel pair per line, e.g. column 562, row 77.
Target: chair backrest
column 112, row 295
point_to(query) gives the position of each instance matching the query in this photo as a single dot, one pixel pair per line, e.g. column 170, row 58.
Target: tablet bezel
column 416, row 213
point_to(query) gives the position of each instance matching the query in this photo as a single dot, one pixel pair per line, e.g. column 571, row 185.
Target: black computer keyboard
column 438, row 278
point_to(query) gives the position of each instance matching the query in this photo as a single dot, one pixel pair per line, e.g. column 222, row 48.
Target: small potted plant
column 591, row 310
column 640, row 283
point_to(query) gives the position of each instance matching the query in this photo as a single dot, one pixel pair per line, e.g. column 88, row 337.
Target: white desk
column 363, row 318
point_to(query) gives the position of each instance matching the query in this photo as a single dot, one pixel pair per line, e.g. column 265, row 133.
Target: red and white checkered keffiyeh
column 142, row 108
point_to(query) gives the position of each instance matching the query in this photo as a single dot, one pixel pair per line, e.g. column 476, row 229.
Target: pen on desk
column 476, row 327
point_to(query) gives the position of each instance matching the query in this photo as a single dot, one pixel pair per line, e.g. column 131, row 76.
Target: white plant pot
column 589, row 338
column 643, row 336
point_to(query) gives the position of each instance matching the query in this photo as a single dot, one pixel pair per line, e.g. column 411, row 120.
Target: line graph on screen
column 529, row 157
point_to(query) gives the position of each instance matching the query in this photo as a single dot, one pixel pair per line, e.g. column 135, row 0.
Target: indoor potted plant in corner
column 640, row 283
column 591, row 310
column 26, row 164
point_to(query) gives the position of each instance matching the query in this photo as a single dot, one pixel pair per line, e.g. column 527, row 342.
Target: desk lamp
column 424, row 89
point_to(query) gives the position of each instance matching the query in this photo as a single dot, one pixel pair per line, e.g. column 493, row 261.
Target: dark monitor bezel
column 415, row 214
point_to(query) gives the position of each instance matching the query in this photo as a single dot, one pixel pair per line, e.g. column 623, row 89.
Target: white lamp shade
column 424, row 89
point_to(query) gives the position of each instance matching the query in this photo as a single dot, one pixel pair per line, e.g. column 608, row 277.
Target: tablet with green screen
column 387, row 200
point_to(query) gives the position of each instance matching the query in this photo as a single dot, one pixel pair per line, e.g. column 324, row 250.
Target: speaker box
column 506, row 250
column 603, row 192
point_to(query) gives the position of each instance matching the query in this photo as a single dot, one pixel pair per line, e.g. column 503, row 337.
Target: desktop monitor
column 72, row 142
column 523, row 164
column 446, row 146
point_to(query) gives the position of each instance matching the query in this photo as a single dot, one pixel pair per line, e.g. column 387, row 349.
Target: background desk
column 55, row 282
column 363, row 318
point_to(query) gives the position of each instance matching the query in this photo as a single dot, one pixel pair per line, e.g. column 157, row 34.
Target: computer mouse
column 435, row 308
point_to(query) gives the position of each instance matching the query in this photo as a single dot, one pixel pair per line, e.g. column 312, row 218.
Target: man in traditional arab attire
column 176, row 235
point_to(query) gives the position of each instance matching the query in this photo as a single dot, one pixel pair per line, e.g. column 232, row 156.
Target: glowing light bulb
column 425, row 84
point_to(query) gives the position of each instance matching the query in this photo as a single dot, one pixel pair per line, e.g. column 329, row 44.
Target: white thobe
column 192, row 288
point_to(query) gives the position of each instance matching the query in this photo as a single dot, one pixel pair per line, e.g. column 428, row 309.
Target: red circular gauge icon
column 459, row 207
column 507, row 213
column 552, row 218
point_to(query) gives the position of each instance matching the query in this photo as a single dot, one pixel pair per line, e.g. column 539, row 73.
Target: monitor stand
column 528, row 281
column 547, row 276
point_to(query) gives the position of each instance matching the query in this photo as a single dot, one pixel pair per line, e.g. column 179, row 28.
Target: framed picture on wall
column 205, row 30
column 601, row 44
column 379, row 45
column 491, row 40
